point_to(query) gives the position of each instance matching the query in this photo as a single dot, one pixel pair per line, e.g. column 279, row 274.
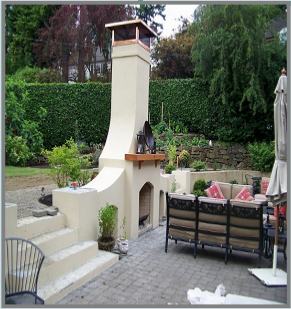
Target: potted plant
column 122, row 242
column 107, row 222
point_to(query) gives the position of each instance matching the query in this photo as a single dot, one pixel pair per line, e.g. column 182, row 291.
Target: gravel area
column 27, row 199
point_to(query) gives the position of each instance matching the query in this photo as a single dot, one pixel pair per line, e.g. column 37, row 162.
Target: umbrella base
column 266, row 276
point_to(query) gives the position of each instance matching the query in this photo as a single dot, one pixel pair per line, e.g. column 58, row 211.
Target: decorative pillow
column 244, row 195
column 264, row 185
column 214, row 191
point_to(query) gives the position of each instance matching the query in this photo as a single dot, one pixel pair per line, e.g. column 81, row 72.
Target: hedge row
column 82, row 111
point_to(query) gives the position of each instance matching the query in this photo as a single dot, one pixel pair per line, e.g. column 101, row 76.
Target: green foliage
column 22, row 23
column 231, row 52
column 84, row 108
column 87, row 106
column 172, row 154
column 262, row 156
column 107, row 221
column 67, row 164
column 184, row 158
column 37, row 75
column 21, row 132
column 169, row 168
column 199, row 187
column 172, row 57
column 198, row 165
column 149, row 12
column 17, row 151
column 11, row 171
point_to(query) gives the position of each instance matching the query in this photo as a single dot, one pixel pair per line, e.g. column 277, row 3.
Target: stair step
column 66, row 260
column 52, row 242
column 59, row 288
column 31, row 227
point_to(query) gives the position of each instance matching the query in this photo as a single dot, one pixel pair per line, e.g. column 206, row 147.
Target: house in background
column 93, row 70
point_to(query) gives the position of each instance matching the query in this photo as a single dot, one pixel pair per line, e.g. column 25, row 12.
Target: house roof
column 130, row 22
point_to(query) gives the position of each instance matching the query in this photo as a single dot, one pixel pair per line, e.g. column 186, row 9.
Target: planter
column 122, row 246
column 106, row 244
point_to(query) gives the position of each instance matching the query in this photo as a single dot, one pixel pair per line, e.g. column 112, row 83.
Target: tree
column 148, row 13
column 231, row 53
column 74, row 34
column 172, row 57
column 21, row 24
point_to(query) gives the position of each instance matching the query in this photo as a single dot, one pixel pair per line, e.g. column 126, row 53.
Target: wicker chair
column 23, row 261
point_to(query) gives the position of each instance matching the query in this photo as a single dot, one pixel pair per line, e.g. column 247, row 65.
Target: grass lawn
column 25, row 171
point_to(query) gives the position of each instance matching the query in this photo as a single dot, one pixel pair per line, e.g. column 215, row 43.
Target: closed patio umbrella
column 277, row 189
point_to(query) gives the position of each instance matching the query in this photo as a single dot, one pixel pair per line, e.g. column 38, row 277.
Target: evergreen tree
column 22, row 23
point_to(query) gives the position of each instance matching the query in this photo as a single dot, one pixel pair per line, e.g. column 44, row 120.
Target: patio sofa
column 227, row 223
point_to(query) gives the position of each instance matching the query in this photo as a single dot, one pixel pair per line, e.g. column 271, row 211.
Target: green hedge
column 82, row 111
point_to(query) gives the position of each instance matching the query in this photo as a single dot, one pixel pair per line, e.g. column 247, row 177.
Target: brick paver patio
column 149, row 276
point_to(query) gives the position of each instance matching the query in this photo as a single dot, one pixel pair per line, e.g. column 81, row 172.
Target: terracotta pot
column 106, row 244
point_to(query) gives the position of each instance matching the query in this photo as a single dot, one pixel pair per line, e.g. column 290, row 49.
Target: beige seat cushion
column 244, row 232
column 187, row 235
column 212, row 239
column 248, row 244
column 225, row 189
column 187, row 214
column 183, row 223
column 216, row 228
column 212, row 218
column 247, row 222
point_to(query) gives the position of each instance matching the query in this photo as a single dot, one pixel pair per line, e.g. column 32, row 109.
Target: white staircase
column 68, row 263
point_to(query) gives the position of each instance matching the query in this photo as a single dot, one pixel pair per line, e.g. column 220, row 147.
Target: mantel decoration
column 140, row 142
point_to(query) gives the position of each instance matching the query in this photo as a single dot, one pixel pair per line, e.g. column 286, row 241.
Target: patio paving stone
column 149, row 276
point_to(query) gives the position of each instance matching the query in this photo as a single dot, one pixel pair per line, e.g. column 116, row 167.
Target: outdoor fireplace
column 145, row 205
column 127, row 179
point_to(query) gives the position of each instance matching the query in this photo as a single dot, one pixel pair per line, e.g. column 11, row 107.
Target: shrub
column 37, row 75
column 18, row 125
column 66, row 164
column 17, row 151
column 199, row 186
column 184, row 158
column 107, row 221
column 172, row 154
column 262, row 156
column 198, row 165
column 169, row 168
column 186, row 101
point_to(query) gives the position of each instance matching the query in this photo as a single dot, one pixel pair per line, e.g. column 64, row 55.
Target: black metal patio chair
column 23, row 261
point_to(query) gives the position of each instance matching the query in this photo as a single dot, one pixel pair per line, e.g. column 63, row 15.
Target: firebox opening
column 145, row 206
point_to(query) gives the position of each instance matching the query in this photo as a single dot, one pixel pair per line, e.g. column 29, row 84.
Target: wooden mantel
column 157, row 157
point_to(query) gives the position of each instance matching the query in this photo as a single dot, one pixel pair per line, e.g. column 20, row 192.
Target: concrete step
column 66, row 260
column 31, row 227
column 52, row 242
column 55, row 290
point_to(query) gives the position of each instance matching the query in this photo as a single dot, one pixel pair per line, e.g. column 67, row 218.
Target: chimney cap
column 140, row 22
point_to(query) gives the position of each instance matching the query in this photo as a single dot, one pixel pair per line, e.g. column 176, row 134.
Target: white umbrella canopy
column 277, row 189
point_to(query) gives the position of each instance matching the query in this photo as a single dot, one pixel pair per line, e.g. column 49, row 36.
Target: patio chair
column 213, row 223
column 23, row 261
column 181, row 218
column 246, row 227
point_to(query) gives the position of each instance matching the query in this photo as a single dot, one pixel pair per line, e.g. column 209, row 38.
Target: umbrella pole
column 275, row 252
